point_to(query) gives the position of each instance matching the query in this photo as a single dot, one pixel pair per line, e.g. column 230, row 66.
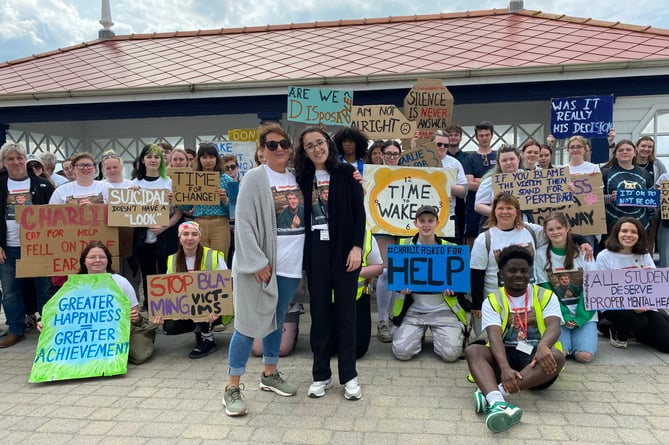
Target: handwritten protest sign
column 626, row 289
column 191, row 187
column 637, row 197
column 190, row 295
column 138, row 208
column 319, row 106
column 393, row 194
column 428, row 268
column 588, row 116
column 430, row 105
column 243, row 135
column 535, row 188
column 664, row 199
column 245, row 153
column 86, row 331
column 53, row 236
column 586, row 215
column 427, row 155
column 382, row 122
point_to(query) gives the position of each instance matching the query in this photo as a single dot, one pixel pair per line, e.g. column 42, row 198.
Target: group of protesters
column 297, row 220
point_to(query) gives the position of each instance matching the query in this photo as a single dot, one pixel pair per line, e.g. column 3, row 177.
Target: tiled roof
column 302, row 53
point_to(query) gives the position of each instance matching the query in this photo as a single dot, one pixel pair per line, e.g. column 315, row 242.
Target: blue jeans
column 12, row 288
column 582, row 339
column 240, row 344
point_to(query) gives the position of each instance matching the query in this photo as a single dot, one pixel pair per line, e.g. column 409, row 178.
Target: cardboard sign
column 626, row 289
column 393, row 194
column 138, row 208
column 428, row 268
column 664, row 199
column 245, row 153
column 86, row 331
column 426, row 155
column 586, row 215
column 637, row 198
column 382, row 122
column 319, row 106
column 53, row 237
column 191, row 187
column 430, row 105
column 190, row 295
column 588, row 116
column 535, row 188
column 243, row 135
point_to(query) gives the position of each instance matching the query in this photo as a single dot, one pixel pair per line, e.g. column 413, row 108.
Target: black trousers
column 650, row 327
column 331, row 319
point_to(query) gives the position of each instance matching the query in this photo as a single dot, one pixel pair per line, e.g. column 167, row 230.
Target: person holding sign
column 626, row 248
column 179, row 159
column 266, row 269
column 531, row 152
column 622, row 172
column 509, row 160
column 84, row 189
column 190, row 256
column 560, row 268
column 576, row 149
column 663, row 226
column 150, row 244
column 214, row 219
column 414, row 312
column 17, row 187
column 332, row 257
column 523, row 325
column 545, row 157
column 646, row 160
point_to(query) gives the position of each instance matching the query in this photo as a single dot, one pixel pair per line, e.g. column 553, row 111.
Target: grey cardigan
column 255, row 247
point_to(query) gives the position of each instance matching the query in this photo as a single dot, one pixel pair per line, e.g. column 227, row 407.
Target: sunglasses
column 484, row 160
column 442, row 144
column 231, row 167
column 273, row 145
column 34, row 166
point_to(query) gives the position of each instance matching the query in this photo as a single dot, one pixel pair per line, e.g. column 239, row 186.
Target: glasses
column 231, row 167
column 318, row 144
column 273, row 145
column 96, row 257
column 391, row 155
column 484, row 160
column 84, row 166
column 442, row 144
column 576, row 147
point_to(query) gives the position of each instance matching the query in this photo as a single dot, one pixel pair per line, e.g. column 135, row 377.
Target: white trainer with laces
column 317, row 389
column 352, row 390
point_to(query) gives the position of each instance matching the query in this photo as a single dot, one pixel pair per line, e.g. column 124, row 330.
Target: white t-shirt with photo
column 73, row 193
column 18, row 194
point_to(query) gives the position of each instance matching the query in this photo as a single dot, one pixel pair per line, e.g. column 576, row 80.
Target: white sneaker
column 317, row 389
column 352, row 390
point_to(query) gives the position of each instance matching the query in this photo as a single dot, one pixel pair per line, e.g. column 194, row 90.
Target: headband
column 188, row 225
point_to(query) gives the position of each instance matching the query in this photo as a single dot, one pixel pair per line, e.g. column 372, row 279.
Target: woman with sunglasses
column 35, row 167
column 214, row 219
column 152, row 245
column 84, row 189
column 267, row 266
column 335, row 223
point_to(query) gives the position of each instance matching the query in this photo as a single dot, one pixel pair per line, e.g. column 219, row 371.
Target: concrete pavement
column 620, row 399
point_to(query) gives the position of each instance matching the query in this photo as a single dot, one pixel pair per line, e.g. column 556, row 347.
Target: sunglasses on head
column 273, row 145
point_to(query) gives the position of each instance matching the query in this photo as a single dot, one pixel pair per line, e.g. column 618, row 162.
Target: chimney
column 106, row 21
column 516, row 5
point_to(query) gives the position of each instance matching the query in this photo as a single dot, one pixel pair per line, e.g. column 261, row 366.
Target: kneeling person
column 523, row 326
column 414, row 312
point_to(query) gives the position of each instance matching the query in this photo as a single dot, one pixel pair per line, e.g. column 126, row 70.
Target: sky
column 35, row 26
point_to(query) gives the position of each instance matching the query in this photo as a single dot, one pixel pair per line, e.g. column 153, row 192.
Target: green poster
column 86, row 331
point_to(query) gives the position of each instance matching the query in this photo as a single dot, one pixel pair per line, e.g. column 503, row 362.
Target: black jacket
column 40, row 189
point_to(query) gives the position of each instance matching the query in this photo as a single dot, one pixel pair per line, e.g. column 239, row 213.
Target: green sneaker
column 502, row 416
column 233, row 403
column 277, row 384
column 480, row 402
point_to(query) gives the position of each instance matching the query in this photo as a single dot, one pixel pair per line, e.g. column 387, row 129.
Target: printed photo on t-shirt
column 514, row 329
column 88, row 199
column 319, row 204
column 17, row 197
column 289, row 206
column 567, row 284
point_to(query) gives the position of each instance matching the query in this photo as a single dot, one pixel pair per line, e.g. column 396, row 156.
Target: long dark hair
column 140, row 168
column 180, row 259
column 613, row 243
column 93, row 245
column 614, row 161
column 572, row 250
column 351, row 134
column 304, row 168
column 208, row 149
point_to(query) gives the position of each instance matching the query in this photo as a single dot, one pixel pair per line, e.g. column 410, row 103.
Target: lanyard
column 523, row 324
